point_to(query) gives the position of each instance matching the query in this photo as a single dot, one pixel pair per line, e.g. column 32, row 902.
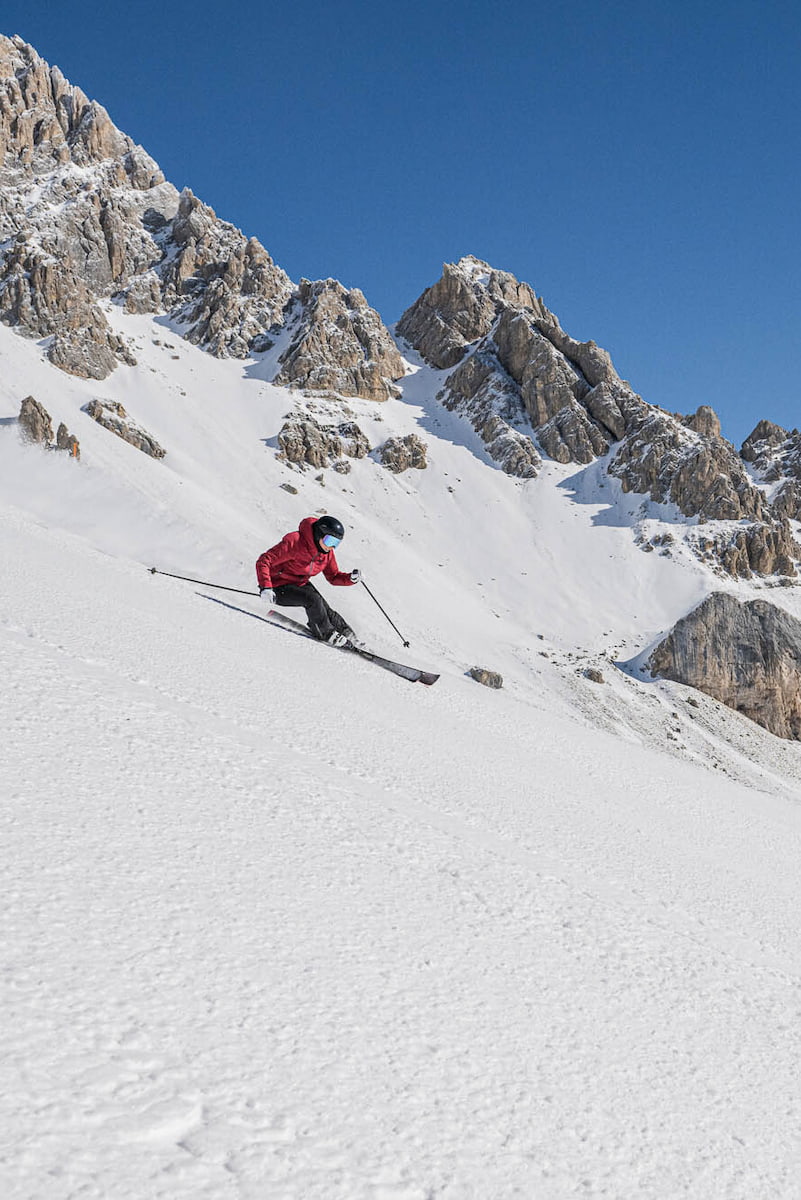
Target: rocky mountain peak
column 500, row 286
column 87, row 218
column 775, row 457
column 768, row 443
column 525, row 384
column 527, row 370
column 704, row 420
column 46, row 122
column 460, row 308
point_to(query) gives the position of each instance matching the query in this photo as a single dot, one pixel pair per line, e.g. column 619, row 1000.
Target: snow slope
column 278, row 924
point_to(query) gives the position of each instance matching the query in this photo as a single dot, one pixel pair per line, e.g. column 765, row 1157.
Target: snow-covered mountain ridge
column 87, row 216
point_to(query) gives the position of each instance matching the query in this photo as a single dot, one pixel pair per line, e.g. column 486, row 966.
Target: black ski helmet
column 330, row 525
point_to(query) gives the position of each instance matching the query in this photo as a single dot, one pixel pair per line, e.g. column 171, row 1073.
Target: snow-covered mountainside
column 278, row 923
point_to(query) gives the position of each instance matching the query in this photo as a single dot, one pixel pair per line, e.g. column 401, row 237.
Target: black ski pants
column 320, row 616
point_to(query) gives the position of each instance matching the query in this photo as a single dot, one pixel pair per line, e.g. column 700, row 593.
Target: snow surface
column 278, row 924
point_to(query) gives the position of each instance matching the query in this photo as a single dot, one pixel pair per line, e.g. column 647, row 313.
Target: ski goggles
column 330, row 541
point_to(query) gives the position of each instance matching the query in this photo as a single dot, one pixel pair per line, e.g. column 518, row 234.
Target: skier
column 284, row 572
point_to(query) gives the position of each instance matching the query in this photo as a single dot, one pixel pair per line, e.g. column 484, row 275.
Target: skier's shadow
column 246, row 613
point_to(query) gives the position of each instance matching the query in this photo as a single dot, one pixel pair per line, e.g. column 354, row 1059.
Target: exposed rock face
column 705, row 420
column 42, row 295
column 460, row 308
column 592, row 361
column 523, row 384
column 305, row 442
column 35, row 422
column 490, row 679
column 776, row 456
column 398, row 454
column 143, row 294
column 747, row 550
column 94, row 219
column 481, row 390
column 524, row 364
column 112, row 416
column 748, row 656
column 224, row 288
column 69, row 182
column 551, row 389
column 46, row 122
column 339, row 345
column 701, row 474
column 763, row 444
column 523, row 370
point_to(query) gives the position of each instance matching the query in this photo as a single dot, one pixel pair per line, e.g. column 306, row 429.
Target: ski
column 413, row 674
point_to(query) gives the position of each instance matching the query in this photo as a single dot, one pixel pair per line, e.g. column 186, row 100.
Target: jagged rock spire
column 460, row 308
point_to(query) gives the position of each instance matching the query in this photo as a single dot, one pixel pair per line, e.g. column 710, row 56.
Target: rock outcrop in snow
column 480, row 390
column 530, row 373
column 67, row 441
column 35, row 422
column 72, row 188
column 399, row 454
column 699, row 473
column 303, row 441
column 42, row 294
column 490, row 679
column 113, row 416
column 36, row 426
column 339, row 344
column 748, row 656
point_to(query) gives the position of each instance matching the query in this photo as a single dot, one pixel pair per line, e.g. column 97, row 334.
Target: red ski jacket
column 296, row 558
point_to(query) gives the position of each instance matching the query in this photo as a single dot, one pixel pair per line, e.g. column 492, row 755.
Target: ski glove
column 355, row 575
column 268, row 594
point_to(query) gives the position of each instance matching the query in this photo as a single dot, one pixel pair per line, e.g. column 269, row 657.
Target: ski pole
column 386, row 614
column 202, row 582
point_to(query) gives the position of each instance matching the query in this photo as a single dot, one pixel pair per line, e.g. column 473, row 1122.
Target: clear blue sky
column 637, row 163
